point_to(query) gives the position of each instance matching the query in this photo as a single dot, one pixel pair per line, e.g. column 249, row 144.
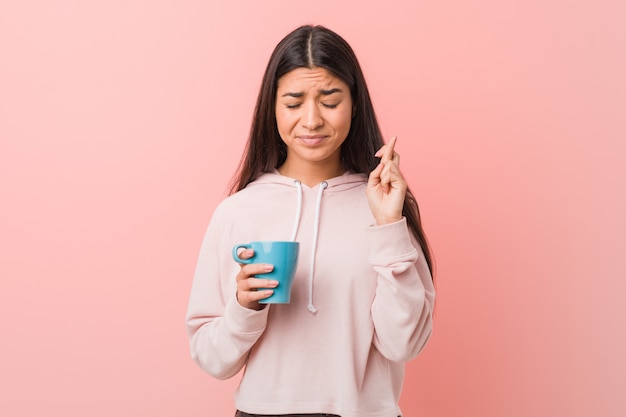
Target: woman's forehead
column 310, row 78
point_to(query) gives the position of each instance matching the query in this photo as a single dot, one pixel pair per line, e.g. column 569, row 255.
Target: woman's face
column 313, row 114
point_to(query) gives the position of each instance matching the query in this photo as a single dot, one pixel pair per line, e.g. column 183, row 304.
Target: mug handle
column 236, row 256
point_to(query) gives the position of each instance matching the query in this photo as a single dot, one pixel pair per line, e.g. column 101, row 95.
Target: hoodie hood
column 344, row 182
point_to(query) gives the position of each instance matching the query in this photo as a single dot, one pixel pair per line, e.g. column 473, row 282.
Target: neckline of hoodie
column 347, row 180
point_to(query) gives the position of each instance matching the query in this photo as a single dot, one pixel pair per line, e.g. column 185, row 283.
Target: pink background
column 121, row 123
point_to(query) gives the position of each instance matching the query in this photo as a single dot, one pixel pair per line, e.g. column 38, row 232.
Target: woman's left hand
column 386, row 187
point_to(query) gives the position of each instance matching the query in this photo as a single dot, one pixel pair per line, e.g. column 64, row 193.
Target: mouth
column 311, row 140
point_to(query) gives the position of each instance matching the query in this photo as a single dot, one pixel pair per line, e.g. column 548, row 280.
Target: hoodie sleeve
column 221, row 332
column 403, row 305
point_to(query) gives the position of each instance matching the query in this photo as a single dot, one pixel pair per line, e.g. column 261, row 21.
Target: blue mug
column 284, row 257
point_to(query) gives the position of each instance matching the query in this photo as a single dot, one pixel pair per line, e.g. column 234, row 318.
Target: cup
column 284, row 257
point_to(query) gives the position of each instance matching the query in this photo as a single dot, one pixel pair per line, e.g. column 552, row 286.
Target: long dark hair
column 316, row 46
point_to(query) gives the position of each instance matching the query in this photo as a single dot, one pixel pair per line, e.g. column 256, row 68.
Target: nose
column 312, row 119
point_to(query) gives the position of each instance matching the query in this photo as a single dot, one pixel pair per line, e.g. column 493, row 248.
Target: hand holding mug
column 267, row 272
column 249, row 287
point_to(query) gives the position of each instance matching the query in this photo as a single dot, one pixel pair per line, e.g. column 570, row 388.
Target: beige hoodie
column 361, row 303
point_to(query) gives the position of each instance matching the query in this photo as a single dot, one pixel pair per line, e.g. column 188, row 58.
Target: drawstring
column 298, row 210
column 322, row 187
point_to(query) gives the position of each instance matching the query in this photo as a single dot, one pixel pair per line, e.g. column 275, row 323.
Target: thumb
column 374, row 177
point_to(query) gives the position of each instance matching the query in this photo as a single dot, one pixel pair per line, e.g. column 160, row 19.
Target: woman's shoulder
column 262, row 188
column 232, row 203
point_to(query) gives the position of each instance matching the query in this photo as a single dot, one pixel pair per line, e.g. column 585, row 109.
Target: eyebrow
column 322, row 92
column 331, row 91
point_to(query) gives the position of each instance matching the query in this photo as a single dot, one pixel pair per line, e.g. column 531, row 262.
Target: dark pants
column 242, row 414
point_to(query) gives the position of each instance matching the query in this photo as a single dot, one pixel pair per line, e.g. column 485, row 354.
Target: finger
column 396, row 179
column 251, row 290
column 250, row 270
column 250, row 299
column 245, row 253
column 385, row 177
column 374, row 178
column 255, row 284
column 389, row 149
column 392, row 177
column 259, row 295
column 384, row 150
column 255, row 290
column 392, row 172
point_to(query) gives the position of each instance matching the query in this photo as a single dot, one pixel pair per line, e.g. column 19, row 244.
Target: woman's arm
column 221, row 332
column 403, row 305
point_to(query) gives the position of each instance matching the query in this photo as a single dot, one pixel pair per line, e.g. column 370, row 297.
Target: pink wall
column 122, row 121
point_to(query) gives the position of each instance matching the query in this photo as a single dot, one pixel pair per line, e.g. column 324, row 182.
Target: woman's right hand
column 248, row 292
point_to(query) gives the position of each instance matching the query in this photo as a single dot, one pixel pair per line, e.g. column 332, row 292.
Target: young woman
column 315, row 170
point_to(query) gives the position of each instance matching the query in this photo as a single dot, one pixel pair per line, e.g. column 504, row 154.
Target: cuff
column 244, row 320
column 390, row 243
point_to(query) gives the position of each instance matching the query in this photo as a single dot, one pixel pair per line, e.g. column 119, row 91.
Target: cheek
column 343, row 121
column 283, row 121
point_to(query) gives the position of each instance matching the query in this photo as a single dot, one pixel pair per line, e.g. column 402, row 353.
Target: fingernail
column 272, row 283
column 268, row 267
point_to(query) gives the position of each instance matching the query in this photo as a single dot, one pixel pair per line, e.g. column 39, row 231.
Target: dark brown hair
column 316, row 46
